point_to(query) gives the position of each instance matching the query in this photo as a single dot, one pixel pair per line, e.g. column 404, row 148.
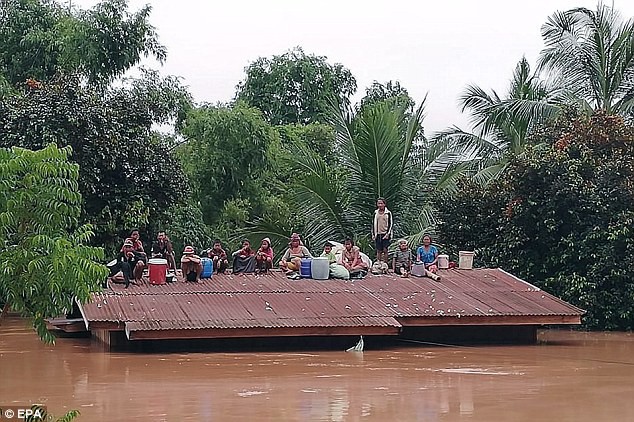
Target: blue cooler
column 306, row 269
column 208, row 267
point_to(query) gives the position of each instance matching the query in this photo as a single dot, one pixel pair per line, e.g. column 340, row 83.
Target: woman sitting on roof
column 351, row 259
column 244, row 259
column 264, row 256
column 292, row 259
column 427, row 255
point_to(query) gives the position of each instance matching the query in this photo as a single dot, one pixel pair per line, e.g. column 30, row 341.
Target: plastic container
column 465, row 260
column 208, row 267
column 305, row 269
column 320, row 268
column 443, row 262
column 157, row 270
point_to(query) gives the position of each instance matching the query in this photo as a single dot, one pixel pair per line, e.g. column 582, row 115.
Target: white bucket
column 465, row 260
column 320, row 268
column 443, row 262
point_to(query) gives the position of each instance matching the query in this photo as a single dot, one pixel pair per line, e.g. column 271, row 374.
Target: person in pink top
column 264, row 256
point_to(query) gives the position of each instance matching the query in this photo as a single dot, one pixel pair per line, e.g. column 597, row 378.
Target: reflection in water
column 568, row 377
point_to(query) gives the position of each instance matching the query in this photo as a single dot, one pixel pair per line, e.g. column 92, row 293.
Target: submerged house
column 479, row 305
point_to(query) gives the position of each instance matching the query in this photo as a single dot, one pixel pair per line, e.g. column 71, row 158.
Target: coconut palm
column 380, row 153
column 592, row 54
column 502, row 124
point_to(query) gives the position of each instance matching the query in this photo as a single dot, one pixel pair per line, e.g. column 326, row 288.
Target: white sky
column 435, row 47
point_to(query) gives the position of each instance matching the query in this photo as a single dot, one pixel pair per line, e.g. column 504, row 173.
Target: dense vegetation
column 541, row 186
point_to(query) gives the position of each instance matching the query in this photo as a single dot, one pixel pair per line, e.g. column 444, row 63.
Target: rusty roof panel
column 271, row 300
column 262, row 323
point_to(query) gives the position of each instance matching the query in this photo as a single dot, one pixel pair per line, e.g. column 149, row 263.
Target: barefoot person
column 218, row 257
column 402, row 261
column 129, row 265
column 382, row 231
column 163, row 248
column 191, row 265
column 427, row 254
column 264, row 256
column 351, row 259
column 292, row 259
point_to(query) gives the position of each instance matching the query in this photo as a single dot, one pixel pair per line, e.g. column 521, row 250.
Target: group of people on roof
column 345, row 260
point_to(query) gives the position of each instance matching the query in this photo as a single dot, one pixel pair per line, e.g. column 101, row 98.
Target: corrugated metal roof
column 249, row 301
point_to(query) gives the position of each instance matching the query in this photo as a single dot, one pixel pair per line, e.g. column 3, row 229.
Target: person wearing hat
column 191, row 265
column 292, row 259
column 264, row 256
column 129, row 264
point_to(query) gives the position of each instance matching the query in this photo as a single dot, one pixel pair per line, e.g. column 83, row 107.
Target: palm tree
column 592, row 54
column 502, row 125
column 381, row 153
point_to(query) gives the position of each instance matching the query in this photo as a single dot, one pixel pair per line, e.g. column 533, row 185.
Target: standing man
column 382, row 231
column 163, row 248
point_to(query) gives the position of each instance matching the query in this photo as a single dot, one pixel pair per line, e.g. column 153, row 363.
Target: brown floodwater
column 568, row 376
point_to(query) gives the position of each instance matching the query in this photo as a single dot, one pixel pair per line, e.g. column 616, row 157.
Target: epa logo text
column 22, row 413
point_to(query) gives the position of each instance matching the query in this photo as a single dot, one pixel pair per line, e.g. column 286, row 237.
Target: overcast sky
column 435, row 47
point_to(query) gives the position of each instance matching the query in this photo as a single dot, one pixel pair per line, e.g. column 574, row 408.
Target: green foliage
column 45, row 259
column 225, row 156
column 391, row 91
column 123, row 166
column 561, row 217
column 39, row 38
column 317, row 137
column 71, row 415
column 591, row 53
column 373, row 153
column 295, row 87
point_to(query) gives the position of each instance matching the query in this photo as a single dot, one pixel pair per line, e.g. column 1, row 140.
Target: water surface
column 569, row 376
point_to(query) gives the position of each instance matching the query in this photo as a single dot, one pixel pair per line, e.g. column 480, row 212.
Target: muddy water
column 567, row 377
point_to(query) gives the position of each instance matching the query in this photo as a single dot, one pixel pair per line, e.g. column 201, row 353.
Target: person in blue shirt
column 427, row 254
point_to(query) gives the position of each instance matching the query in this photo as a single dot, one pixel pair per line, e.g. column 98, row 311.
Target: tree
column 294, row 87
column 502, row 125
column 225, row 156
column 390, row 91
column 591, row 53
column 45, row 258
column 374, row 159
column 560, row 217
column 128, row 175
column 40, row 38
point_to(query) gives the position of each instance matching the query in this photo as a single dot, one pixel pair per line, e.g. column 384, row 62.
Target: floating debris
column 358, row 347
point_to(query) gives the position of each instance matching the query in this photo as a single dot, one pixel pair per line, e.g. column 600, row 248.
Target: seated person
column 402, row 261
column 218, row 257
column 163, row 248
column 427, row 255
column 244, row 259
column 191, row 265
column 351, row 259
column 292, row 259
column 129, row 264
column 336, row 270
column 264, row 256
column 137, row 245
